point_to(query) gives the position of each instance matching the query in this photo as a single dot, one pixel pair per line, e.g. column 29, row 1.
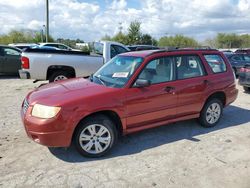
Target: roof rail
column 176, row 49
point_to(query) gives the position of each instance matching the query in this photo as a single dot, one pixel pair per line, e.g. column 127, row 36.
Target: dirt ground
column 178, row 155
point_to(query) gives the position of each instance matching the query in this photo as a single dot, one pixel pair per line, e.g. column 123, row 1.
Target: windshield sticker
column 120, row 75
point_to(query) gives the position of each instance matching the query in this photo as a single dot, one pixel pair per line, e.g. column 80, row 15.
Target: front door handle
column 169, row 89
column 206, row 82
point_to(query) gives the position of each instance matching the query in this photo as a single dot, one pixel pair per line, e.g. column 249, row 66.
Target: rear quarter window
column 216, row 63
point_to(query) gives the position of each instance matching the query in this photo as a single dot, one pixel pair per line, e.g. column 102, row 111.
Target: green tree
column 22, row 36
column 148, row 40
column 134, row 33
column 178, row 41
column 245, row 39
column 231, row 40
column 211, row 42
column 107, row 38
column 134, row 36
column 122, row 38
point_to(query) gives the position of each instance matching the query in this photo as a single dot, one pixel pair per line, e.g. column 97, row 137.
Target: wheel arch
column 112, row 115
column 53, row 68
column 218, row 95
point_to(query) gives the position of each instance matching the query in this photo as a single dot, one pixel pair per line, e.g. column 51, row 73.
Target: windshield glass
column 117, row 71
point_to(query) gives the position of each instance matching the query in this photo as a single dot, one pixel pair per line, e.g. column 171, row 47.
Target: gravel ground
column 179, row 155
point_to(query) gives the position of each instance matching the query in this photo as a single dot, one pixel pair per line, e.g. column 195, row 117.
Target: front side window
column 62, row 47
column 189, row 66
column 216, row 63
column 117, row 71
column 158, row 70
column 11, row 52
column 237, row 58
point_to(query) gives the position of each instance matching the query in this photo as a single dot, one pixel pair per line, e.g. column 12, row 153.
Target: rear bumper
column 231, row 95
column 24, row 74
column 244, row 80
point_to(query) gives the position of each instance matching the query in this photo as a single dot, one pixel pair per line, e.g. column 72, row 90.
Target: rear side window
column 216, row 63
column 189, row 66
column 62, row 47
column 115, row 50
column 11, row 52
column 247, row 57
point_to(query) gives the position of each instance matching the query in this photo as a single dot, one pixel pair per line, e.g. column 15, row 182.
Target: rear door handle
column 169, row 89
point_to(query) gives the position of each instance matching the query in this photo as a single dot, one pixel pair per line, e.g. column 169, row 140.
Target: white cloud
column 118, row 4
column 90, row 21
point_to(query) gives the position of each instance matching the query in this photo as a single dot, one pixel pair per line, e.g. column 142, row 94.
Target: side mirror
column 142, row 83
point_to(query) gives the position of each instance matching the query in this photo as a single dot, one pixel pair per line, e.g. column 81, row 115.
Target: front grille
column 25, row 106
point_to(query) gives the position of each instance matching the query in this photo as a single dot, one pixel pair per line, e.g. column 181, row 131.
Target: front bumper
column 54, row 132
column 24, row 74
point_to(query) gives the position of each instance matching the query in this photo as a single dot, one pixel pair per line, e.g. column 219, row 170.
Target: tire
column 59, row 75
column 247, row 89
column 215, row 107
column 89, row 133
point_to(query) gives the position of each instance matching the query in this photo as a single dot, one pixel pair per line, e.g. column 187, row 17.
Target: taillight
column 244, row 70
column 25, row 62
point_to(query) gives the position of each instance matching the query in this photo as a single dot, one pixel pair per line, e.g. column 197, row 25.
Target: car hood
column 57, row 93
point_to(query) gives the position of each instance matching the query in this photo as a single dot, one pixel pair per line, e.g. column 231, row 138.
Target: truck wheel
column 247, row 89
column 95, row 136
column 211, row 113
column 59, row 75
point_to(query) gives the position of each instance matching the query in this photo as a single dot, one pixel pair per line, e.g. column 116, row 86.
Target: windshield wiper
column 91, row 77
column 100, row 79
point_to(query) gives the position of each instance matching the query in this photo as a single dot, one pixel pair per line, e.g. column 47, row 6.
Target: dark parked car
column 238, row 61
column 244, row 77
column 10, row 60
column 245, row 51
column 132, row 92
column 142, row 47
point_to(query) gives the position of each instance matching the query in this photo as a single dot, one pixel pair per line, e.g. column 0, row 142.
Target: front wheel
column 211, row 113
column 95, row 136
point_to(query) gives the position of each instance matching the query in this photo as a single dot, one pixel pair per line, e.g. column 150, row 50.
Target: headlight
column 46, row 112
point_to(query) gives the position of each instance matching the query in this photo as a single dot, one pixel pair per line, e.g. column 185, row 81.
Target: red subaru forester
column 132, row 92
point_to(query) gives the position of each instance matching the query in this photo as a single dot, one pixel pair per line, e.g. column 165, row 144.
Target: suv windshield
column 117, row 71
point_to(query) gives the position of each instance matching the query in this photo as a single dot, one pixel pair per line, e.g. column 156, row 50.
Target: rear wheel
column 247, row 89
column 95, row 136
column 211, row 113
column 59, row 75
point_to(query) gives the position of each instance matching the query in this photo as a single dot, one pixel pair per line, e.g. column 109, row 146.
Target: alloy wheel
column 213, row 113
column 95, row 139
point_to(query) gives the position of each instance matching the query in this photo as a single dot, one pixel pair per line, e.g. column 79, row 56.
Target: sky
column 90, row 20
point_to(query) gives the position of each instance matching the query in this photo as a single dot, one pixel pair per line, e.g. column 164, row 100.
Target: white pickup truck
column 54, row 65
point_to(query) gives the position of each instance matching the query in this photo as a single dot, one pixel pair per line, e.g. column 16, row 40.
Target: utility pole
column 120, row 27
column 41, row 35
column 47, row 20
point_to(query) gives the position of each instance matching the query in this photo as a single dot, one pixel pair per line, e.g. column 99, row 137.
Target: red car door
column 192, row 85
column 156, row 102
